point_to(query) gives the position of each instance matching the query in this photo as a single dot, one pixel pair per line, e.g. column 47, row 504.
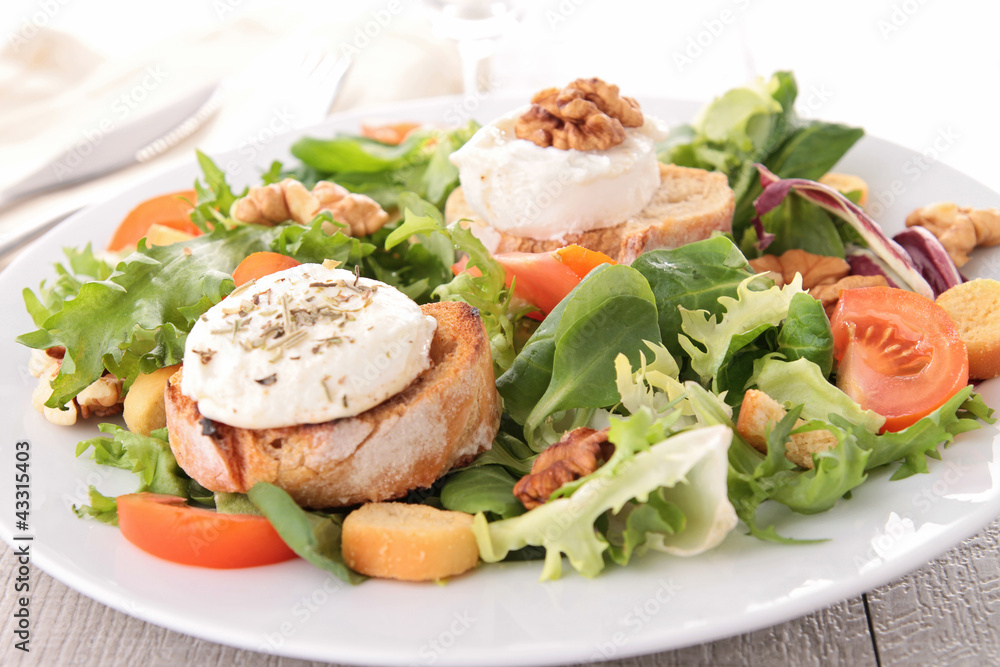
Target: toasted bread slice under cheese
column 689, row 205
column 448, row 415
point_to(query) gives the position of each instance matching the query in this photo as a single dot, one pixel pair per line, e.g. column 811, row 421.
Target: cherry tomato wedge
column 261, row 264
column 170, row 210
column 545, row 278
column 899, row 354
column 167, row 528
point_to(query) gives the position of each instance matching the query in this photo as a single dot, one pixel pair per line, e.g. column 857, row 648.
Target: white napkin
column 57, row 92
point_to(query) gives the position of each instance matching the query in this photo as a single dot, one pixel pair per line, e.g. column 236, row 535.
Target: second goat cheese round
column 304, row 346
column 522, row 189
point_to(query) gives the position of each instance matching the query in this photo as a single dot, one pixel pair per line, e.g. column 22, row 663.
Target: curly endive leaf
column 747, row 316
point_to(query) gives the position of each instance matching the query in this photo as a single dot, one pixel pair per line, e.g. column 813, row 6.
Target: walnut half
column 579, row 453
column 588, row 114
column 290, row 200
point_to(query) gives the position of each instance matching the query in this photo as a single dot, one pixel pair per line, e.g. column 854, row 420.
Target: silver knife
column 152, row 133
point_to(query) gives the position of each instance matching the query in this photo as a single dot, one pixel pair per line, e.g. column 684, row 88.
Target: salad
column 662, row 356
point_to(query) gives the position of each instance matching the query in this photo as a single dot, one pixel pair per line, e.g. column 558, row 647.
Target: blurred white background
column 921, row 73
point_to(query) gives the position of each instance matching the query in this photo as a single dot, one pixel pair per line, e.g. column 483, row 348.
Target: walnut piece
column 579, row 453
column 588, row 114
column 362, row 214
column 290, row 200
column 816, row 270
column 958, row 228
column 829, row 295
column 823, row 277
column 102, row 398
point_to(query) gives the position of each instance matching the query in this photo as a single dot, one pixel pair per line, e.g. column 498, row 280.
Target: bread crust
column 447, row 416
column 689, row 206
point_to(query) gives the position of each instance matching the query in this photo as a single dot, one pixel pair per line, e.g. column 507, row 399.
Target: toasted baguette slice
column 408, row 542
column 689, row 206
column 448, row 415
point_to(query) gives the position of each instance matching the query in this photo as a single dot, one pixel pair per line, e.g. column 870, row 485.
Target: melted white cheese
column 304, row 346
column 523, row 189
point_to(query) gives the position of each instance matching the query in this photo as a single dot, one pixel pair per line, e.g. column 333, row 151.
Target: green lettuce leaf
column 758, row 123
column 83, row 266
column 487, row 291
column 806, row 333
column 915, row 443
column 136, row 319
column 638, row 526
column 693, row 276
column 420, row 164
column 314, row 536
column 746, row 317
column 802, row 381
column 589, row 335
column 101, row 507
column 485, row 488
column 149, row 457
column 688, row 462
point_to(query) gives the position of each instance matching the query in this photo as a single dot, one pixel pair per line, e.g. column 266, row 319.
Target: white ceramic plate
column 497, row 615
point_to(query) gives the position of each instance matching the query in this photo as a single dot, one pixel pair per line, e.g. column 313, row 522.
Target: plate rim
column 967, row 525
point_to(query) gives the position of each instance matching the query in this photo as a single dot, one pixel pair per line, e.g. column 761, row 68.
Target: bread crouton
column 408, row 542
column 759, row 413
column 975, row 308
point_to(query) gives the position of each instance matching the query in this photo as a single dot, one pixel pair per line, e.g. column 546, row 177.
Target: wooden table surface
column 942, row 614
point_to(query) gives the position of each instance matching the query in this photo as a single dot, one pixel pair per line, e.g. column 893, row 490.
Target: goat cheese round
column 523, row 189
column 304, row 346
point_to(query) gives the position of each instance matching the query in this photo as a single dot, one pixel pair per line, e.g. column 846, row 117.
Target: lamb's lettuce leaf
column 610, row 313
column 806, row 333
column 315, row 536
column 488, row 488
column 419, row 164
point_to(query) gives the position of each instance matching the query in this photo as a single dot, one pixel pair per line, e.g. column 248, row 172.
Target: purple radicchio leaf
column 864, row 262
column 890, row 252
column 768, row 200
column 933, row 261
